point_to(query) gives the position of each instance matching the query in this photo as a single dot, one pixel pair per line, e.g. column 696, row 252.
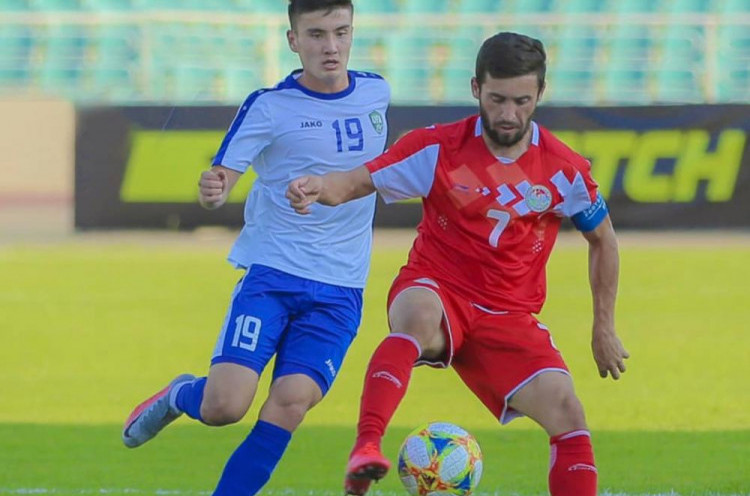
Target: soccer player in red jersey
column 495, row 187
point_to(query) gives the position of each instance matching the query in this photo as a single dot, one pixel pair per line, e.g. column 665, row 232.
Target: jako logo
column 310, row 124
column 331, row 368
column 381, row 374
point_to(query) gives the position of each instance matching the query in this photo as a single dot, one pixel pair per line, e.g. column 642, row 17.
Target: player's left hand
column 303, row 192
column 609, row 354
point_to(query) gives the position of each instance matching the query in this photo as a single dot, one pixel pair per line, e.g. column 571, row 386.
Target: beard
column 506, row 140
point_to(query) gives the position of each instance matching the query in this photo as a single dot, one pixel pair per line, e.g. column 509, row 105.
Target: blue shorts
column 309, row 325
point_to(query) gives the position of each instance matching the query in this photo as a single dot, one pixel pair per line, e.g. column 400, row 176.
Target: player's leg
column 252, row 463
column 416, row 316
column 240, row 355
column 307, row 361
column 550, row 400
column 512, row 365
column 228, row 393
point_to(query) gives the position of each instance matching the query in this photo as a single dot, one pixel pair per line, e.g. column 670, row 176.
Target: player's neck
column 512, row 152
column 324, row 85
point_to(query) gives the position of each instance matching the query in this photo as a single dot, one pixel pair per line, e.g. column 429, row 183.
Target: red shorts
column 494, row 352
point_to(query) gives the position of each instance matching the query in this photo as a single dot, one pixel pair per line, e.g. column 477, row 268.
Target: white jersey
column 289, row 131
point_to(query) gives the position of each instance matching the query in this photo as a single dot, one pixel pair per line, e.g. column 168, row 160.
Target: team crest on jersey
column 377, row 121
column 538, row 198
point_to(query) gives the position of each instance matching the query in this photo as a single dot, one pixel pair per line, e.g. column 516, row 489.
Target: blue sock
column 250, row 466
column 189, row 398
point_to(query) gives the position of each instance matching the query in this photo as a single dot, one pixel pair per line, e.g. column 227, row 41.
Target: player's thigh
column 501, row 354
column 318, row 338
column 417, row 310
column 257, row 317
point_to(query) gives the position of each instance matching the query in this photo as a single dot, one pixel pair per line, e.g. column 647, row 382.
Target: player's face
column 323, row 39
column 506, row 106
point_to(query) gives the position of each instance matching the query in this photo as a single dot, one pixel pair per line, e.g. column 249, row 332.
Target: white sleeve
column 411, row 177
column 249, row 134
column 407, row 169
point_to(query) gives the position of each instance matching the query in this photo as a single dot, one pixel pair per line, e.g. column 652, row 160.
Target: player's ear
column 541, row 91
column 291, row 38
column 475, row 87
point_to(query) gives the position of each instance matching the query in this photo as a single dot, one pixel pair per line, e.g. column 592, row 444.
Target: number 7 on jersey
column 502, row 218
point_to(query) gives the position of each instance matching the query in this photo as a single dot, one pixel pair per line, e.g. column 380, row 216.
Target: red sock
column 386, row 381
column 572, row 471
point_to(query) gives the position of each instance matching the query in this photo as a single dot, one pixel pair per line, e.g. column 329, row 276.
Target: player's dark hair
column 507, row 55
column 297, row 7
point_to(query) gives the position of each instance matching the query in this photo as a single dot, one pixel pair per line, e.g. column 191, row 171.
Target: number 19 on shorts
column 246, row 332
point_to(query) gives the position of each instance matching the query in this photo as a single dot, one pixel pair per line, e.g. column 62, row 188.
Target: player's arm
column 405, row 170
column 333, row 188
column 249, row 134
column 215, row 185
column 604, row 263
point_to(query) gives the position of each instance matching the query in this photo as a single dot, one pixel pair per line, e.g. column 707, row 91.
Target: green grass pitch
column 88, row 329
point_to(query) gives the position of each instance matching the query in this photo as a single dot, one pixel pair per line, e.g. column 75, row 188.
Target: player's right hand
column 609, row 353
column 303, row 192
column 212, row 188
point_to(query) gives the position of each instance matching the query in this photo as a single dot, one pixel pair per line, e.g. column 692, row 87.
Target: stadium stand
column 215, row 51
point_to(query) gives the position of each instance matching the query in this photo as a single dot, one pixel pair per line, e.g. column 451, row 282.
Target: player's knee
column 570, row 412
column 294, row 412
column 285, row 411
column 290, row 398
column 222, row 411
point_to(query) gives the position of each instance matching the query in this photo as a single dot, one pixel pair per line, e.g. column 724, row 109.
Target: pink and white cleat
column 151, row 416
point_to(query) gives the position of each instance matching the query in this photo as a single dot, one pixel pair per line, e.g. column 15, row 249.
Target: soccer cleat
column 366, row 464
column 151, row 416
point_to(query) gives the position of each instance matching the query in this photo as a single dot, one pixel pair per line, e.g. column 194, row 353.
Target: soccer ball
column 440, row 459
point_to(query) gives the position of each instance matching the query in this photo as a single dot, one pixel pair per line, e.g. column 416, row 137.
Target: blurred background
column 115, row 106
column 601, row 52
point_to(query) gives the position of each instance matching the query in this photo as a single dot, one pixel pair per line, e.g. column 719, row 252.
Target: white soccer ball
column 440, row 459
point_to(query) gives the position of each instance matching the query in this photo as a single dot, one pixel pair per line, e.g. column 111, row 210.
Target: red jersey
column 488, row 224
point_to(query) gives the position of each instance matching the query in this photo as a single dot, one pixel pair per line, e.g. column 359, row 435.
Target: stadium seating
column 582, row 6
column 685, row 6
column 635, row 7
column 14, row 5
column 403, row 52
column 56, row 5
column 379, row 7
column 16, row 45
column 241, row 82
column 424, row 6
column 600, row 51
column 110, row 5
column 477, row 6
column 734, row 7
column 733, row 64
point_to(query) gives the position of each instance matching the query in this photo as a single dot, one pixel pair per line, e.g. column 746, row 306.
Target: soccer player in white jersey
column 300, row 297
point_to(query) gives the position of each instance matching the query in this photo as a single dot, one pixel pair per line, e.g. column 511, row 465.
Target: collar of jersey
column 291, row 82
column 506, row 160
column 534, row 131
